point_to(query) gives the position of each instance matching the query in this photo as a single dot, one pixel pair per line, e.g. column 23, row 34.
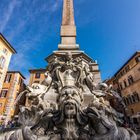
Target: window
column 125, row 83
column 36, row 81
column 114, row 82
column 5, row 51
column 127, row 68
column 133, row 98
column 37, row 75
column 2, row 61
column 135, row 121
column 136, row 96
column 20, row 82
column 124, row 99
column 118, row 76
column 8, row 78
column 121, row 73
column 132, row 110
column 120, row 85
column 3, row 93
column 130, row 80
column 137, row 59
column 127, row 101
column 130, row 99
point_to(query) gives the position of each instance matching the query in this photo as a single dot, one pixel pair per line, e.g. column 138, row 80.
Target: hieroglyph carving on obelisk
column 68, row 28
column 68, row 13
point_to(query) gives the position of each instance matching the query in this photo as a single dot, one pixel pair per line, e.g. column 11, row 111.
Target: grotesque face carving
column 70, row 100
column 36, row 89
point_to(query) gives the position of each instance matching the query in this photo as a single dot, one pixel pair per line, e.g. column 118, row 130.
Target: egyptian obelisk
column 68, row 28
column 68, row 40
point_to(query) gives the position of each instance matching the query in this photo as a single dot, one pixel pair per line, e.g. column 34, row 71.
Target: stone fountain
column 58, row 108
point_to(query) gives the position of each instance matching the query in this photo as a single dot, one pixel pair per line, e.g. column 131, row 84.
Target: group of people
column 10, row 125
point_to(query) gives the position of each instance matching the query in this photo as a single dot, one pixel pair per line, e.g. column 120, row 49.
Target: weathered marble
column 69, row 104
column 66, row 118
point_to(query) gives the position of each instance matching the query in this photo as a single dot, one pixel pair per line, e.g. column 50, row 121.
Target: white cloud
column 27, row 76
column 56, row 5
column 22, row 60
column 8, row 14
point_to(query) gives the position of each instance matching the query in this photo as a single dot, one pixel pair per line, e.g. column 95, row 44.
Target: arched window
column 2, row 61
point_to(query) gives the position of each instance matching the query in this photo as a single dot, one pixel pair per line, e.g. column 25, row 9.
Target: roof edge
column 9, row 45
column 137, row 52
column 17, row 72
column 41, row 69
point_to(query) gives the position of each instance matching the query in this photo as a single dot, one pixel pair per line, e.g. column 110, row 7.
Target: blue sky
column 107, row 30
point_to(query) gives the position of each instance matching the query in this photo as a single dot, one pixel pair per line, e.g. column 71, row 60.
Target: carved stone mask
column 70, row 100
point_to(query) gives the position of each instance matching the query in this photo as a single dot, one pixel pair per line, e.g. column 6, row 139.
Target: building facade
column 36, row 76
column 13, row 85
column 127, row 82
column 6, row 51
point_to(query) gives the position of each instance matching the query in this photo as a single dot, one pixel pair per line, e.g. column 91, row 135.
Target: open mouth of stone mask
column 70, row 108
